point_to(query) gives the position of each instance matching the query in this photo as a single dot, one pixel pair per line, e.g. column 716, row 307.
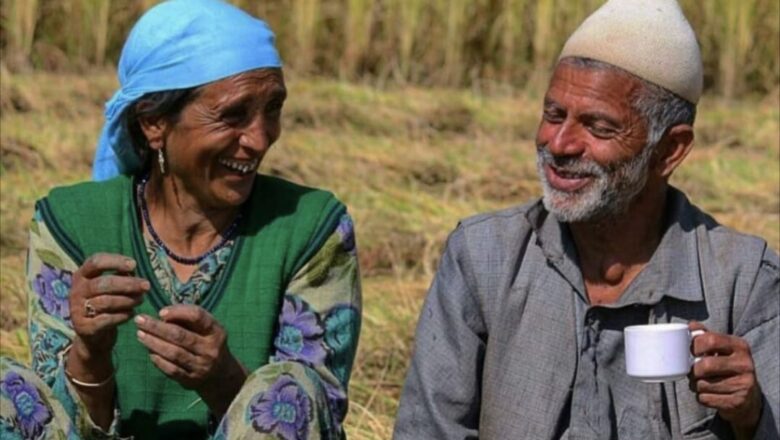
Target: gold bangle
column 79, row 382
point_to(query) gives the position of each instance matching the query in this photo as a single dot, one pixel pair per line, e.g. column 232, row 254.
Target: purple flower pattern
column 284, row 410
column 300, row 333
column 282, row 407
column 346, row 231
column 32, row 414
column 52, row 287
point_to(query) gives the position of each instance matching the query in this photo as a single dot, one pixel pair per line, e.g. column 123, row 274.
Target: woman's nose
column 254, row 135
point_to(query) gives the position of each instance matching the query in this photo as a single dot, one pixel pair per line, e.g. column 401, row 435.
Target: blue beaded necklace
column 227, row 235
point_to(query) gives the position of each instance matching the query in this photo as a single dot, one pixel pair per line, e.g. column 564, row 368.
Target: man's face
column 592, row 158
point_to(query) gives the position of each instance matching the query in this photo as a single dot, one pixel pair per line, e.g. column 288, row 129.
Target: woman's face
column 222, row 135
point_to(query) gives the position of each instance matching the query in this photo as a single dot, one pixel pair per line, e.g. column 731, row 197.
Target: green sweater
column 283, row 226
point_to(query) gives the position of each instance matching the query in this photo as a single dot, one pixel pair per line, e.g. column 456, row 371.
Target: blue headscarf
column 178, row 44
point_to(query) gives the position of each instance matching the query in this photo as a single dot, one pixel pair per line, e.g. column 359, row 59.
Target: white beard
column 610, row 192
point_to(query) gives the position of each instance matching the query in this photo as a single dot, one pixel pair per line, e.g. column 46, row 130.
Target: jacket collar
column 673, row 270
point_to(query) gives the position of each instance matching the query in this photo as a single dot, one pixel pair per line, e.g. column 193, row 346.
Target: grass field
column 408, row 162
column 479, row 43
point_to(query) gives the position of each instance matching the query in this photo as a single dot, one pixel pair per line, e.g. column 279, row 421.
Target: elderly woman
column 188, row 295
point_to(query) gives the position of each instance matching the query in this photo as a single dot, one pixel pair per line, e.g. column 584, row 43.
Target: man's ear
column 154, row 128
column 675, row 146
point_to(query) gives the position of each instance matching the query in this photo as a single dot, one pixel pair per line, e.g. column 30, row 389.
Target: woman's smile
column 216, row 146
column 240, row 166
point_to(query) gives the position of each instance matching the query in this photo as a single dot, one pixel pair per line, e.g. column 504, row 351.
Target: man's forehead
column 591, row 82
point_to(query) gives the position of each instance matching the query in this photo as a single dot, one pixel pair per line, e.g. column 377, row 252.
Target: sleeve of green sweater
column 302, row 392
column 49, row 275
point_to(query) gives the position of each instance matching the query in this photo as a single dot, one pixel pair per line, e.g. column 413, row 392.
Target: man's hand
column 190, row 347
column 724, row 379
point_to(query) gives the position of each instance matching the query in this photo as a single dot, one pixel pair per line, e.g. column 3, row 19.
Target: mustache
column 569, row 164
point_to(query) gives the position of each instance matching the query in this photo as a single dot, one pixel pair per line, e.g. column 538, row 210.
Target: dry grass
column 409, row 162
column 481, row 43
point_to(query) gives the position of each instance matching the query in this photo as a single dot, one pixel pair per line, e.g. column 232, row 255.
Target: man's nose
column 567, row 140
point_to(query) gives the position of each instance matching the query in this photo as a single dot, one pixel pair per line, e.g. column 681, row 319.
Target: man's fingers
column 721, row 385
column 721, row 366
column 696, row 325
column 189, row 316
column 711, row 343
column 102, row 262
column 722, row 402
column 116, row 285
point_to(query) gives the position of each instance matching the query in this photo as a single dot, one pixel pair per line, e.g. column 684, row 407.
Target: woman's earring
column 161, row 160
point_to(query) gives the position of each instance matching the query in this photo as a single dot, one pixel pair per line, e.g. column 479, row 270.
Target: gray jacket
column 508, row 347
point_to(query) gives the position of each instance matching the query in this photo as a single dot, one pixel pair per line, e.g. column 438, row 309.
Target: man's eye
column 553, row 116
column 602, row 131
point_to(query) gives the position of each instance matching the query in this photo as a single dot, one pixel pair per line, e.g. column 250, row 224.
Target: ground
column 408, row 162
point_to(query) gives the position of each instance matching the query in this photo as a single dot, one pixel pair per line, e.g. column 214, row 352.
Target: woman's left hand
column 190, row 347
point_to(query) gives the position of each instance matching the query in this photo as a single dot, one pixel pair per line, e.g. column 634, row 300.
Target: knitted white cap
column 649, row 38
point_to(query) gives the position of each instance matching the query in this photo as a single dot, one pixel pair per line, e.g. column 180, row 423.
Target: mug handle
column 695, row 333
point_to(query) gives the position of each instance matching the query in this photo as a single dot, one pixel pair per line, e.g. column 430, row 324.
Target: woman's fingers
column 108, row 294
column 102, row 262
column 116, row 285
column 171, row 333
column 173, row 350
column 102, row 322
column 171, row 369
column 90, row 284
column 170, row 352
column 190, row 316
column 102, row 296
column 114, row 304
column 180, row 347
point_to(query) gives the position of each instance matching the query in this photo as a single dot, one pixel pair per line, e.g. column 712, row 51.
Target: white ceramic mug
column 659, row 352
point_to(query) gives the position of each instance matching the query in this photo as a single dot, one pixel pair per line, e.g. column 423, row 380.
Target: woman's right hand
column 99, row 302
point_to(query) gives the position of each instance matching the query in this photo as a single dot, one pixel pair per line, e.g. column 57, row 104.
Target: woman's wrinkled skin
column 212, row 151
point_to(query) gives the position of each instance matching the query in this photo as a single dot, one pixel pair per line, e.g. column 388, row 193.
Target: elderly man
column 521, row 334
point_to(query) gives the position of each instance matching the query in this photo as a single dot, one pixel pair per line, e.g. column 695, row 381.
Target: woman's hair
column 166, row 104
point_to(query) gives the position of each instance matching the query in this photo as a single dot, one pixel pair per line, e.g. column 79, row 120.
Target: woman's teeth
column 240, row 166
